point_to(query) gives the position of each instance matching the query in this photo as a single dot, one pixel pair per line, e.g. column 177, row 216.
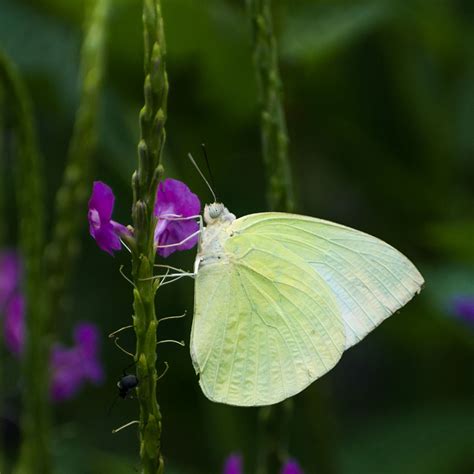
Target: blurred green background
column 380, row 105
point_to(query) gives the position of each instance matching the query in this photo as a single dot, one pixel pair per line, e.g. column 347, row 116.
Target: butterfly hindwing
column 265, row 325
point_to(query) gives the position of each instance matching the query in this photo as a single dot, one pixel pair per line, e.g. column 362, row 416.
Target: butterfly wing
column 369, row 278
column 265, row 324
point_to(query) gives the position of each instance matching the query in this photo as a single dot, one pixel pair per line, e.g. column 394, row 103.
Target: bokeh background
column 379, row 97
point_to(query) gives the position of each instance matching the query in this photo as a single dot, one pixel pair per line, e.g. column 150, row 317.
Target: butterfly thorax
column 218, row 220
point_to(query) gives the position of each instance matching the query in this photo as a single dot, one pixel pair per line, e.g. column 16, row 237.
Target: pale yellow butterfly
column 279, row 297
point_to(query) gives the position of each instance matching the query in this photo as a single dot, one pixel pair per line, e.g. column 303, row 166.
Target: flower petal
column 175, row 232
column 463, row 307
column 102, row 199
column 105, row 231
column 71, row 367
column 86, row 336
column 14, row 325
column 66, row 378
column 107, row 239
column 175, row 197
column 291, row 467
column 10, row 270
column 233, row 465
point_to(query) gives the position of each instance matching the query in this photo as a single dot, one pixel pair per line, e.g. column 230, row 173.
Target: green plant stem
column 2, row 170
column 280, row 193
column 273, row 421
column 75, row 188
column 35, row 453
column 144, row 184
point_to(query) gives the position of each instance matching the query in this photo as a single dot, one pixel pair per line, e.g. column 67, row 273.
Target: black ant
column 126, row 384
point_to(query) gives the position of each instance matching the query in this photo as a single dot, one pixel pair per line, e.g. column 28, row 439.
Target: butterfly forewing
column 265, row 324
column 369, row 279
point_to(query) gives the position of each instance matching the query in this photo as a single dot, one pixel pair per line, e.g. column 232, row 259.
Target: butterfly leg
column 177, row 217
column 177, row 244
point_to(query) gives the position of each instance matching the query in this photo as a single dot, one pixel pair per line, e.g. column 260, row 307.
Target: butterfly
column 279, row 297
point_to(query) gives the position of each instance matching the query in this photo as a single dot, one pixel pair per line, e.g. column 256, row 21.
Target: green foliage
column 31, row 223
column 272, row 115
column 319, row 30
column 75, row 187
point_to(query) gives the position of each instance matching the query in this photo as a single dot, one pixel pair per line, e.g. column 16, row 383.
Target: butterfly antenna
column 202, row 176
column 204, row 152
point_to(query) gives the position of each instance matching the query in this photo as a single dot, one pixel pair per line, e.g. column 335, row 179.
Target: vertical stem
column 35, row 453
column 273, row 123
column 72, row 195
column 144, row 183
column 273, row 421
column 2, row 167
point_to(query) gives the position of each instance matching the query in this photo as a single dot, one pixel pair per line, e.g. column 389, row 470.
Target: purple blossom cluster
column 72, row 366
column 176, row 208
column 233, row 465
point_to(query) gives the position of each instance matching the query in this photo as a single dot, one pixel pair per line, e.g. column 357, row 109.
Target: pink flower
column 73, row 366
column 463, row 307
column 174, row 199
column 233, row 465
column 102, row 228
column 14, row 324
column 70, row 367
column 291, row 467
column 10, row 270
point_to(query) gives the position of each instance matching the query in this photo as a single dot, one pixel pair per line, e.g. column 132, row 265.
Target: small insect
column 126, row 384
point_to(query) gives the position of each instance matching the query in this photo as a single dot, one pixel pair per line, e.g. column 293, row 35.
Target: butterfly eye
column 215, row 210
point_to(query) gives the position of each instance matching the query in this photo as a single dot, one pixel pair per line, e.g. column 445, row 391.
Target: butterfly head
column 217, row 212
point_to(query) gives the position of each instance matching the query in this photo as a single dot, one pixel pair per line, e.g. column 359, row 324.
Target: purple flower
column 105, row 231
column 10, row 269
column 233, row 465
column 463, row 307
column 291, row 467
column 14, row 324
column 71, row 367
column 175, row 200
